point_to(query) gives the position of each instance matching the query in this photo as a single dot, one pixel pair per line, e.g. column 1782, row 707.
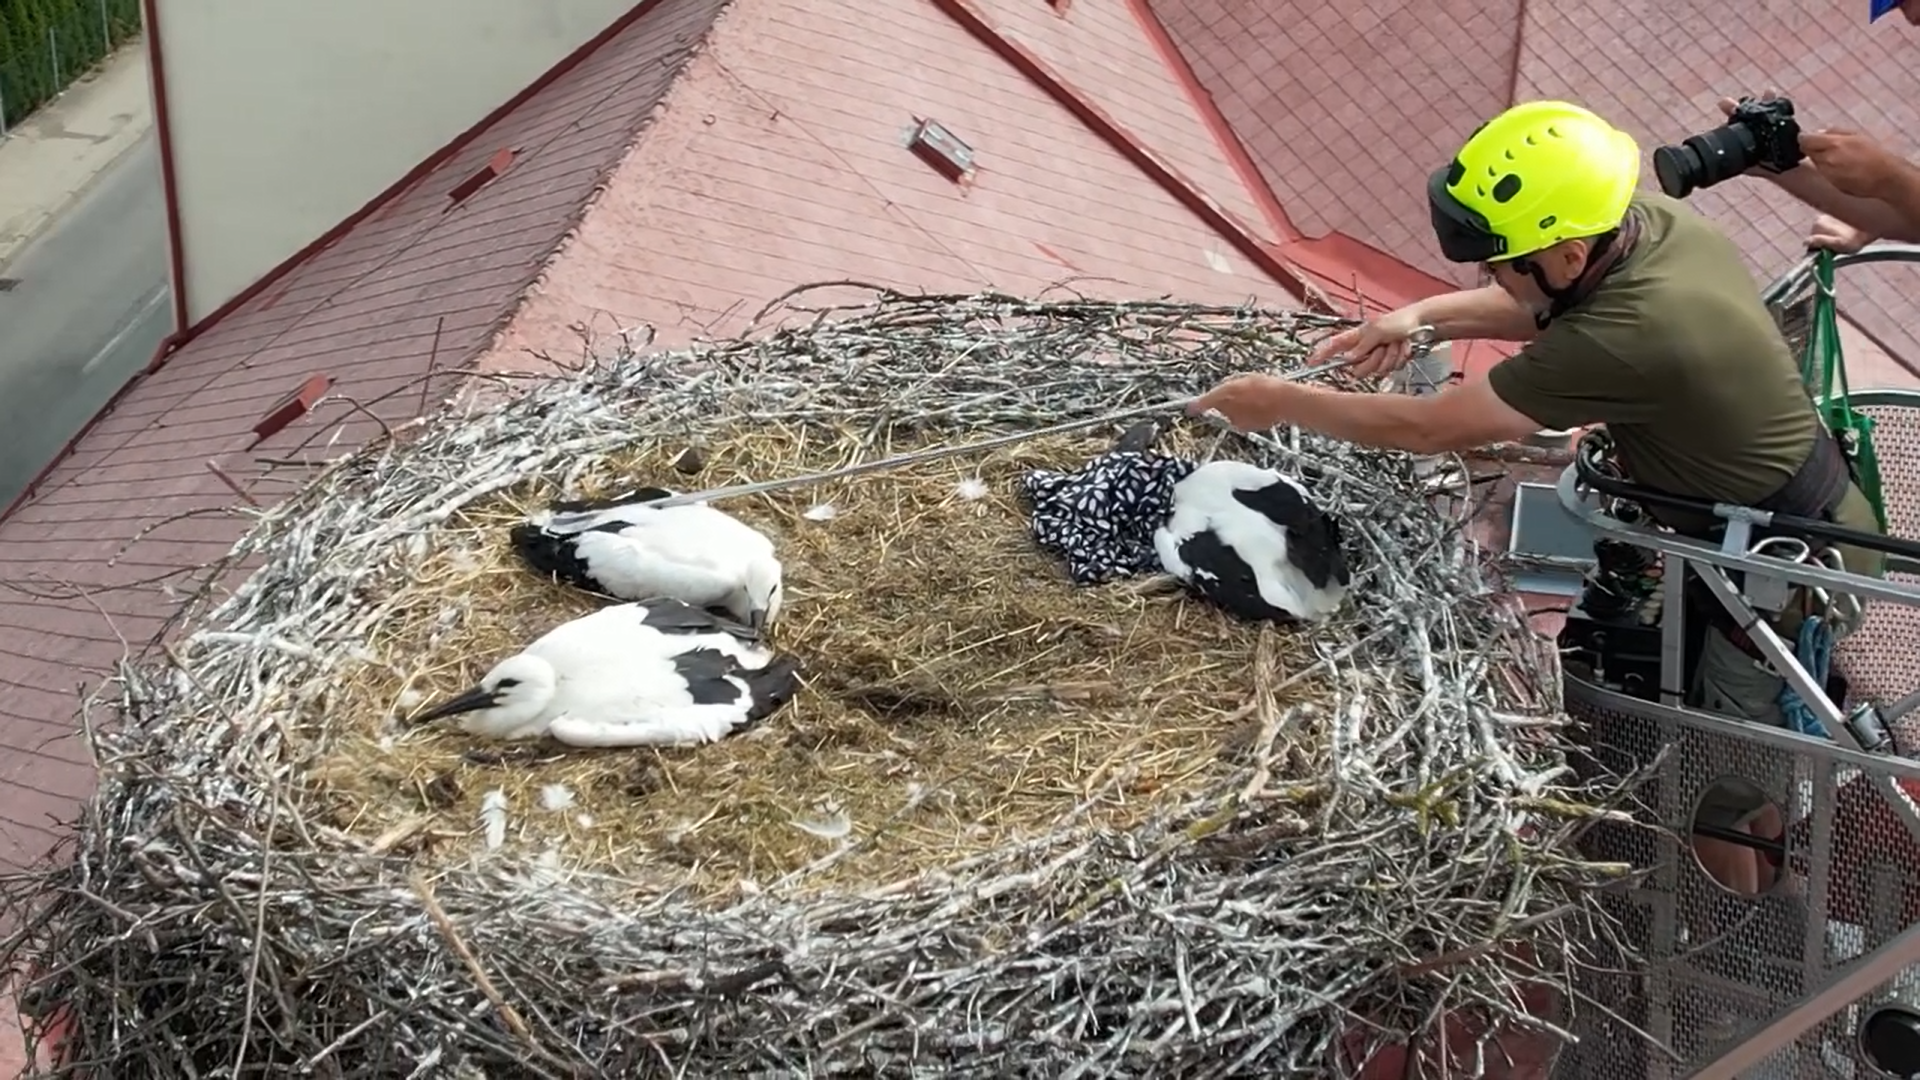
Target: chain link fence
column 47, row 44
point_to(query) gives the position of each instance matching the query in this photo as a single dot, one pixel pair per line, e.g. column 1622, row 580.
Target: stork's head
column 757, row 601
column 506, row 700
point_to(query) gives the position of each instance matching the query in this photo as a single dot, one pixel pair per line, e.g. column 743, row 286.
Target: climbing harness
column 1820, row 368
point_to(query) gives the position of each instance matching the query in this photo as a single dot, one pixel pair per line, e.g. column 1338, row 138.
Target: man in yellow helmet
column 1636, row 313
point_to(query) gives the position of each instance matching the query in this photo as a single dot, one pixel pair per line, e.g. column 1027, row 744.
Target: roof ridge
column 636, row 139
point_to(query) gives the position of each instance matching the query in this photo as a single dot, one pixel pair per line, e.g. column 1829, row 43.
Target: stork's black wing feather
column 1313, row 538
column 679, row 617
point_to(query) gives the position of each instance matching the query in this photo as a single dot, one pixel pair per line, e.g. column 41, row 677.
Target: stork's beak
column 471, row 701
column 757, row 620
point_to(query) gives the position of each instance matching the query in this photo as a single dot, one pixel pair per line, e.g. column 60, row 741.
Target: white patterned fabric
column 1100, row 517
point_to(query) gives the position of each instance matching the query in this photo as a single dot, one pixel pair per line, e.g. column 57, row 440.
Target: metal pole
column 53, row 50
column 941, row 452
column 1865, row 974
column 3, row 111
column 106, row 31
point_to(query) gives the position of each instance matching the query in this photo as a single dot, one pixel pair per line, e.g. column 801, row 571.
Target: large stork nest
column 1011, row 827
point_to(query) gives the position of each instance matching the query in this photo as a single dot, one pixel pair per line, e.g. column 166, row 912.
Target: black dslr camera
column 1762, row 133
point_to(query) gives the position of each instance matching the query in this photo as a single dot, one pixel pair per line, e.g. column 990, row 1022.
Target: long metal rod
column 1901, row 708
column 1673, row 632
column 1813, row 695
column 1782, row 658
column 1859, row 980
column 941, row 452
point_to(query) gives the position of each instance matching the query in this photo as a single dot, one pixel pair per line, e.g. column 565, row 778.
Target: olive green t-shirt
column 1678, row 356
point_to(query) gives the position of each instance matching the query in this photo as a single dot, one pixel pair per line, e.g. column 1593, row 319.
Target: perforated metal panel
column 1882, row 659
column 1695, row 968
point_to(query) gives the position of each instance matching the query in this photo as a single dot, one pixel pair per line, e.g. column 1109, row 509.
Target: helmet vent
column 1456, row 172
column 1507, row 188
column 1548, row 221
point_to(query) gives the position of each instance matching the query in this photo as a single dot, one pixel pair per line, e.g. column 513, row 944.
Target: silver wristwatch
column 1423, row 339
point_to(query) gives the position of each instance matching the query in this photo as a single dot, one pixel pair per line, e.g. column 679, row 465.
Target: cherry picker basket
column 1805, row 978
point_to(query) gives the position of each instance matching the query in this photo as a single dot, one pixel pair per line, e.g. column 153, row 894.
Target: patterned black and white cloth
column 1100, row 517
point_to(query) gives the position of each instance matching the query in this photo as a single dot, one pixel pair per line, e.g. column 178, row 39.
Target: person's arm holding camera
column 1874, row 217
column 1857, row 167
column 1849, row 177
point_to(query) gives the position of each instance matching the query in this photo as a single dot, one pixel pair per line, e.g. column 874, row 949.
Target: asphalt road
column 90, row 307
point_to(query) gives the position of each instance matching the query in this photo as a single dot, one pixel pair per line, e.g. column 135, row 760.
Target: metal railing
column 1697, row 980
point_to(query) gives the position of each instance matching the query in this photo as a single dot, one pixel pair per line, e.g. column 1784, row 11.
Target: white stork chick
column 1248, row 539
column 662, row 673
column 630, row 550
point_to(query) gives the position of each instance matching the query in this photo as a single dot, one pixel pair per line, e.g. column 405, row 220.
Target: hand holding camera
column 1852, row 162
column 1761, row 136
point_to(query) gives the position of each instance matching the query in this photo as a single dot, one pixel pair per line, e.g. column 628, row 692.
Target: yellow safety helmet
column 1537, row 174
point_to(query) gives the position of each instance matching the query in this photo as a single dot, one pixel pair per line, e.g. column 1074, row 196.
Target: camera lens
column 1703, row 160
column 1676, row 167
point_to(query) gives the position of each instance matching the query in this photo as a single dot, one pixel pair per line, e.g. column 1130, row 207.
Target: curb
column 10, row 250
column 52, row 214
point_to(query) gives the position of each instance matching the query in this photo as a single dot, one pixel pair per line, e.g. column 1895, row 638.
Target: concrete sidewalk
column 49, row 159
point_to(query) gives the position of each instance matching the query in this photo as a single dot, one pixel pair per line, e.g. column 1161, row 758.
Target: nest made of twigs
column 1208, row 849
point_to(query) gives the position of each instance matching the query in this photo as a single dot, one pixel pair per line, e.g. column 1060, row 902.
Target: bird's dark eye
column 505, row 684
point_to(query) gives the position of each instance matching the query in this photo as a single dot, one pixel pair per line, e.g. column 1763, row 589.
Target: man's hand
column 1831, row 234
column 1727, row 105
column 1249, row 403
column 1376, row 347
column 1853, row 162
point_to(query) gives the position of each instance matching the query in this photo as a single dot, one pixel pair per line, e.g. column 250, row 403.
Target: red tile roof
column 1345, row 108
column 781, row 161
column 415, row 288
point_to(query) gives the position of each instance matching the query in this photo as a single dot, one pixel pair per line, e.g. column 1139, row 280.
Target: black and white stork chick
column 659, row 673
column 631, row 550
column 1248, row 539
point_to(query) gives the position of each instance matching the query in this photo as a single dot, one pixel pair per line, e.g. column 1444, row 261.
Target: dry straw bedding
column 1010, row 827
column 961, row 693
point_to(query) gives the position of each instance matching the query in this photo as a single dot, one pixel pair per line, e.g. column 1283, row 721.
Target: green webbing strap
column 1820, row 368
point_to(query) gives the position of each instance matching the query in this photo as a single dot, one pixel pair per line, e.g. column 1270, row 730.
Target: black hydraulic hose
column 1775, row 848
column 1801, row 527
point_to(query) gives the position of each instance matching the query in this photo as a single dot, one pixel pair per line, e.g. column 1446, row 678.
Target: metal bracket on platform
column 1704, row 553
